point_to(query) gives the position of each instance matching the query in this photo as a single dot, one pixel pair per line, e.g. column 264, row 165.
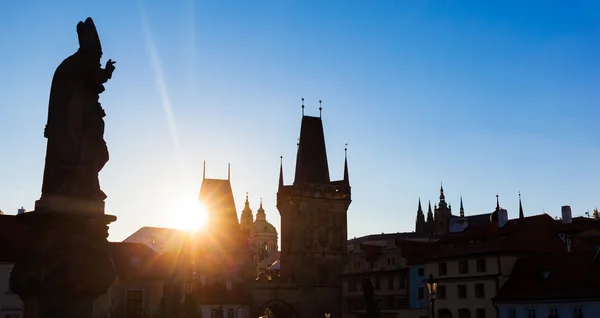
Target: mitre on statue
column 88, row 36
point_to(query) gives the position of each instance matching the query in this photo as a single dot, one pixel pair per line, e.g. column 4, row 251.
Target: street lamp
column 327, row 315
column 432, row 288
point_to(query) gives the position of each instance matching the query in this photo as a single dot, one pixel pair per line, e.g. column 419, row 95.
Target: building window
column 391, row 282
column 461, row 290
column 402, row 282
column 441, row 292
column 134, row 305
column 531, row 313
column 421, row 271
column 481, row 265
column 512, row 313
column 554, row 313
column 479, row 291
column 577, row 312
column 480, row 313
column 391, row 261
column 230, row 313
column 463, row 267
column 421, row 293
column 352, row 284
column 443, row 269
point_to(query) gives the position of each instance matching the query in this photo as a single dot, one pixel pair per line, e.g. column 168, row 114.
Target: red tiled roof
column 534, row 234
column 563, row 276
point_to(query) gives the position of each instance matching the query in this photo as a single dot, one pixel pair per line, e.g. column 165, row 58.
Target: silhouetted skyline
column 488, row 98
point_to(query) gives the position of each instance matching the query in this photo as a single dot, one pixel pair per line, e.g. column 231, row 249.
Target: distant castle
column 441, row 221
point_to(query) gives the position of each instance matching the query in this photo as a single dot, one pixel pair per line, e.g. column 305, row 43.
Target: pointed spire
column 346, row 178
column 204, row 170
column 311, row 160
column 462, row 209
column 302, row 106
column 521, row 214
column 281, row 171
column 228, row 171
column 260, row 213
column 420, row 225
column 442, row 196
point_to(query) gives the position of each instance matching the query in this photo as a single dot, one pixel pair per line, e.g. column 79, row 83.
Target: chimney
column 20, row 211
column 566, row 214
column 502, row 217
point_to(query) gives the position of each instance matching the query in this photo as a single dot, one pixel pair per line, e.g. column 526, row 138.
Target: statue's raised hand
column 110, row 67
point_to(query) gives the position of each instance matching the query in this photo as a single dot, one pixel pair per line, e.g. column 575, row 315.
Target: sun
column 188, row 214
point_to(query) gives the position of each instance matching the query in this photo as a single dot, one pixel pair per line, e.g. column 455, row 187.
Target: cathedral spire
column 260, row 213
column 442, row 196
column 430, row 226
column 420, row 226
column 521, row 214
column 462, row 209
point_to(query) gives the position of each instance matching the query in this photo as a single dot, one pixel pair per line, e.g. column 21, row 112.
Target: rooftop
column 553, row 277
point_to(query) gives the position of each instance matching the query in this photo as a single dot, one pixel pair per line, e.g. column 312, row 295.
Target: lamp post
column 432, row 288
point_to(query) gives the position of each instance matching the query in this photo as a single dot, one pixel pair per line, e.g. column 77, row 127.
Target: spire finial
column 228, row 171
column 497, row 202
column 204, row 170
column 261, row 202
column 246, row 196
column 303, row 106
column 462, row 209
column 320, row 108
column 346, row 150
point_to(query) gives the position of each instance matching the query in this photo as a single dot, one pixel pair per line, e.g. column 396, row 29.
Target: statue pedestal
column 66, row 264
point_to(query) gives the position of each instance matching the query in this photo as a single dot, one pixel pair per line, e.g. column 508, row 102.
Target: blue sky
column 486, row 97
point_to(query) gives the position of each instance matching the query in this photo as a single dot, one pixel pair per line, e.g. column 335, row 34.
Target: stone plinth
column 66, row 264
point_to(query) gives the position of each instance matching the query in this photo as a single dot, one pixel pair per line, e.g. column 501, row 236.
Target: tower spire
column 281, row 171
column 346, row 178
column 521, row 214
column 462, row 209
column 442, row 196
column 204, row 170
column 228, row 171
column 302, row 106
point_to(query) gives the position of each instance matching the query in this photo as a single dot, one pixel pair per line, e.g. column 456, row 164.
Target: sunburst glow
column 188, row 214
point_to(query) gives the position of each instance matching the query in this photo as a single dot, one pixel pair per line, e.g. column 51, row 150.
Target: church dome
column 264, row 227
column 261, row 225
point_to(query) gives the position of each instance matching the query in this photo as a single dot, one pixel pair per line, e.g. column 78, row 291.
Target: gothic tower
column 420, row 226
column 314, row 219
column 443, row 214
column 246, row 219
column 430, row 224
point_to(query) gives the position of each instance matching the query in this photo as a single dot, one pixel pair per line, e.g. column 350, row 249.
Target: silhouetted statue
column 76, row 150
column 369, row 296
